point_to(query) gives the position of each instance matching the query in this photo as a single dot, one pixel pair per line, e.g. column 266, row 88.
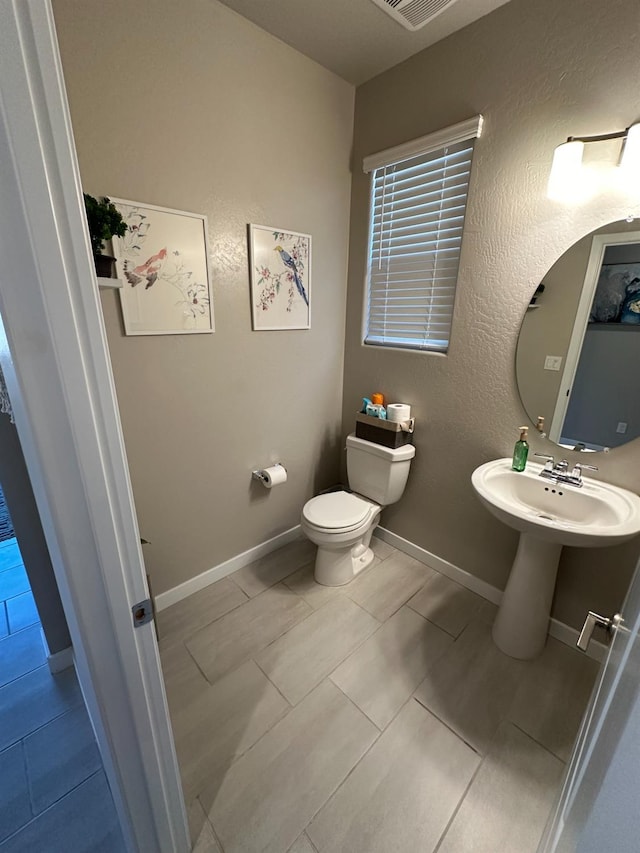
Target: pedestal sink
column 548, row 516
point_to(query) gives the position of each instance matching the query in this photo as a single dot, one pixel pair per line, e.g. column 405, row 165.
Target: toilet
column 341, row 523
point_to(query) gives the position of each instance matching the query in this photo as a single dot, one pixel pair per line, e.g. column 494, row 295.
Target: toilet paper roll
column 274, row 476
column 398, row 412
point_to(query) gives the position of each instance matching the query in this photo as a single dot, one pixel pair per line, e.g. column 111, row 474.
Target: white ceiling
column 354, row 38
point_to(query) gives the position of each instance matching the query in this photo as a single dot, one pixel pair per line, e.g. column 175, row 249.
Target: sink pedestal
column 522, row 623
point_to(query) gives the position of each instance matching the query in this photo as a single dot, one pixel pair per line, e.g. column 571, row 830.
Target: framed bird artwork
column 280, row 268
column 163, row 263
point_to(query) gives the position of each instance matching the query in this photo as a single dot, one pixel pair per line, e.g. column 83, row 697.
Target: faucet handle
column 580, row 466
column 548, row 465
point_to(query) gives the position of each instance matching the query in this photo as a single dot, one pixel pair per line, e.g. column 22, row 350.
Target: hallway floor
column 54, row 796
column 368, row 718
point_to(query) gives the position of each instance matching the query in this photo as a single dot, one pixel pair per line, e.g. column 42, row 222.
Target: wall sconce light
column 568, row 180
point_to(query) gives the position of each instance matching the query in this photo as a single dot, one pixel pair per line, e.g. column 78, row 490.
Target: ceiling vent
column 414, row 14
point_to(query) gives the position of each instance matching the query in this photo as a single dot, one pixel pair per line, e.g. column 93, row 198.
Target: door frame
column 56, row 364
column 599, row 245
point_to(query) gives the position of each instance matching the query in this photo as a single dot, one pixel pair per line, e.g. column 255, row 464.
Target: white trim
column 599, row 245
column 466, row 579
column 60, row 660
column 183, row 590
column 468, row 129
column 564, row 633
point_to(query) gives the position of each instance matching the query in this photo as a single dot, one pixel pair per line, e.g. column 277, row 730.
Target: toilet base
column 336, row 567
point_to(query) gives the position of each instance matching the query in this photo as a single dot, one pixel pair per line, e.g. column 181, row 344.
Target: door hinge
column 142, row 612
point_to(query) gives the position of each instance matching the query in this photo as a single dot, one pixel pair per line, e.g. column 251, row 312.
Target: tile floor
column 374, row 717
column 54, row 796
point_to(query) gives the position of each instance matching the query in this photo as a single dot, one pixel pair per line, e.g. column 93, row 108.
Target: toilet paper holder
column 259, row 473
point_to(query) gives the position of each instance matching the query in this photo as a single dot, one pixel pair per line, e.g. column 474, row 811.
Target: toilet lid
column 337, row 510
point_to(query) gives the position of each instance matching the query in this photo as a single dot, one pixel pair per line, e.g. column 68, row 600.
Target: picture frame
column 617, row 297
column 163, row 263
column 280, row 278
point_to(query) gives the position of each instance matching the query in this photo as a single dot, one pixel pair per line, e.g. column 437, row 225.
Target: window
column 418, row 201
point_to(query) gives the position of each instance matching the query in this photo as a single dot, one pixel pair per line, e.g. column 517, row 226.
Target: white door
column 599, row 244
column 599, row 804
column 55, row 360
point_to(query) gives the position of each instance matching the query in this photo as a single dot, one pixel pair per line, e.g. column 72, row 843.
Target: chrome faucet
column 559, row 471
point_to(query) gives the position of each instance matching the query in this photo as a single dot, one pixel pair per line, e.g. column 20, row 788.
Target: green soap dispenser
column 521, row 451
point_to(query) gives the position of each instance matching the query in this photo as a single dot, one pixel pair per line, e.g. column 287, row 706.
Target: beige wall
column 538, row 72
column 189, row 106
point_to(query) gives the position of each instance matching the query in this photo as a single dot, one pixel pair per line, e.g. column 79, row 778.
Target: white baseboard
column 60, row 660
column 183, row 590
column 564, row 633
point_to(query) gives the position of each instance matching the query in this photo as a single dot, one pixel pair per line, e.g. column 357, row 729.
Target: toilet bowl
column 341, row 523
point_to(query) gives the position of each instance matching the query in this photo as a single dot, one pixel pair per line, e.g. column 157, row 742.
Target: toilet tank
column 376, row 472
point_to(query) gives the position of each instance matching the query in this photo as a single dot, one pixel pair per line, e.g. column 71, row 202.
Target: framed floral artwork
column 280, row 263
column 163, row 262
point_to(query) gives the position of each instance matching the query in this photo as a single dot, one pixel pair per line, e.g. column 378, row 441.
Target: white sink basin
column 548, row 516
column 596, row 514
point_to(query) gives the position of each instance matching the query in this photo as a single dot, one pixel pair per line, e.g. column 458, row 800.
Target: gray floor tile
column 552, row 699
column 269, row 570
column 184, row 618
column 381, row 675
column 473, row 685
column 302, row 657
column 83, row 822
column 388, row 585
column 221, row 723
column 60, row 756
column 303, row 583
column 183, row 679
column 4, row 625
column 270, row 794
column 402, row 794
column 22, row 612
column 507, row 805
column 302, row 845
column 15, row 807
column 35, row 699
column 243, row 633
column 202, row 836
column 13, row 582
column 447, row 604
column 382, row 549
column 9, row 556
column 21, row 653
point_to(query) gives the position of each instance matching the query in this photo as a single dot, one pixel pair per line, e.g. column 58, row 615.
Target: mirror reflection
column 578, row 355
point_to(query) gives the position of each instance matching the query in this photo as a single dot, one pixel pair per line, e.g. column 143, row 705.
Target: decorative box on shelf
column 387, row 433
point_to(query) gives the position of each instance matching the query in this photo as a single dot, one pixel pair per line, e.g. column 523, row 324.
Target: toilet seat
column 339, row 512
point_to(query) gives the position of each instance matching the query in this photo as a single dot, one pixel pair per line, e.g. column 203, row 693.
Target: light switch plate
column 553, row 362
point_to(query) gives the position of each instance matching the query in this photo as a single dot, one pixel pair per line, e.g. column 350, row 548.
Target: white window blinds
column 417, row 217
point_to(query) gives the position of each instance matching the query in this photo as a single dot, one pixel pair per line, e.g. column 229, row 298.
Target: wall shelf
column 109, row 282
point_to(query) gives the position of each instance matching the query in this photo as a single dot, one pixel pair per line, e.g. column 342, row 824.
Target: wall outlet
column 553, row 362
column 622, row 427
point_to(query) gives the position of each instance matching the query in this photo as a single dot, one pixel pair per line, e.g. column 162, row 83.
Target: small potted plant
column 104, row 222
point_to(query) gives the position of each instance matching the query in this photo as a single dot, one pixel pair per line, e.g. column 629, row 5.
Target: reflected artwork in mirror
column 578, row 354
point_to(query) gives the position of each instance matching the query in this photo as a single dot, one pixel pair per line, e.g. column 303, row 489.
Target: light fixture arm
column 620, row 134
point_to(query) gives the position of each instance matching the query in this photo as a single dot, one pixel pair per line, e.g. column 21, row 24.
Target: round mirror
column 578, row 355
